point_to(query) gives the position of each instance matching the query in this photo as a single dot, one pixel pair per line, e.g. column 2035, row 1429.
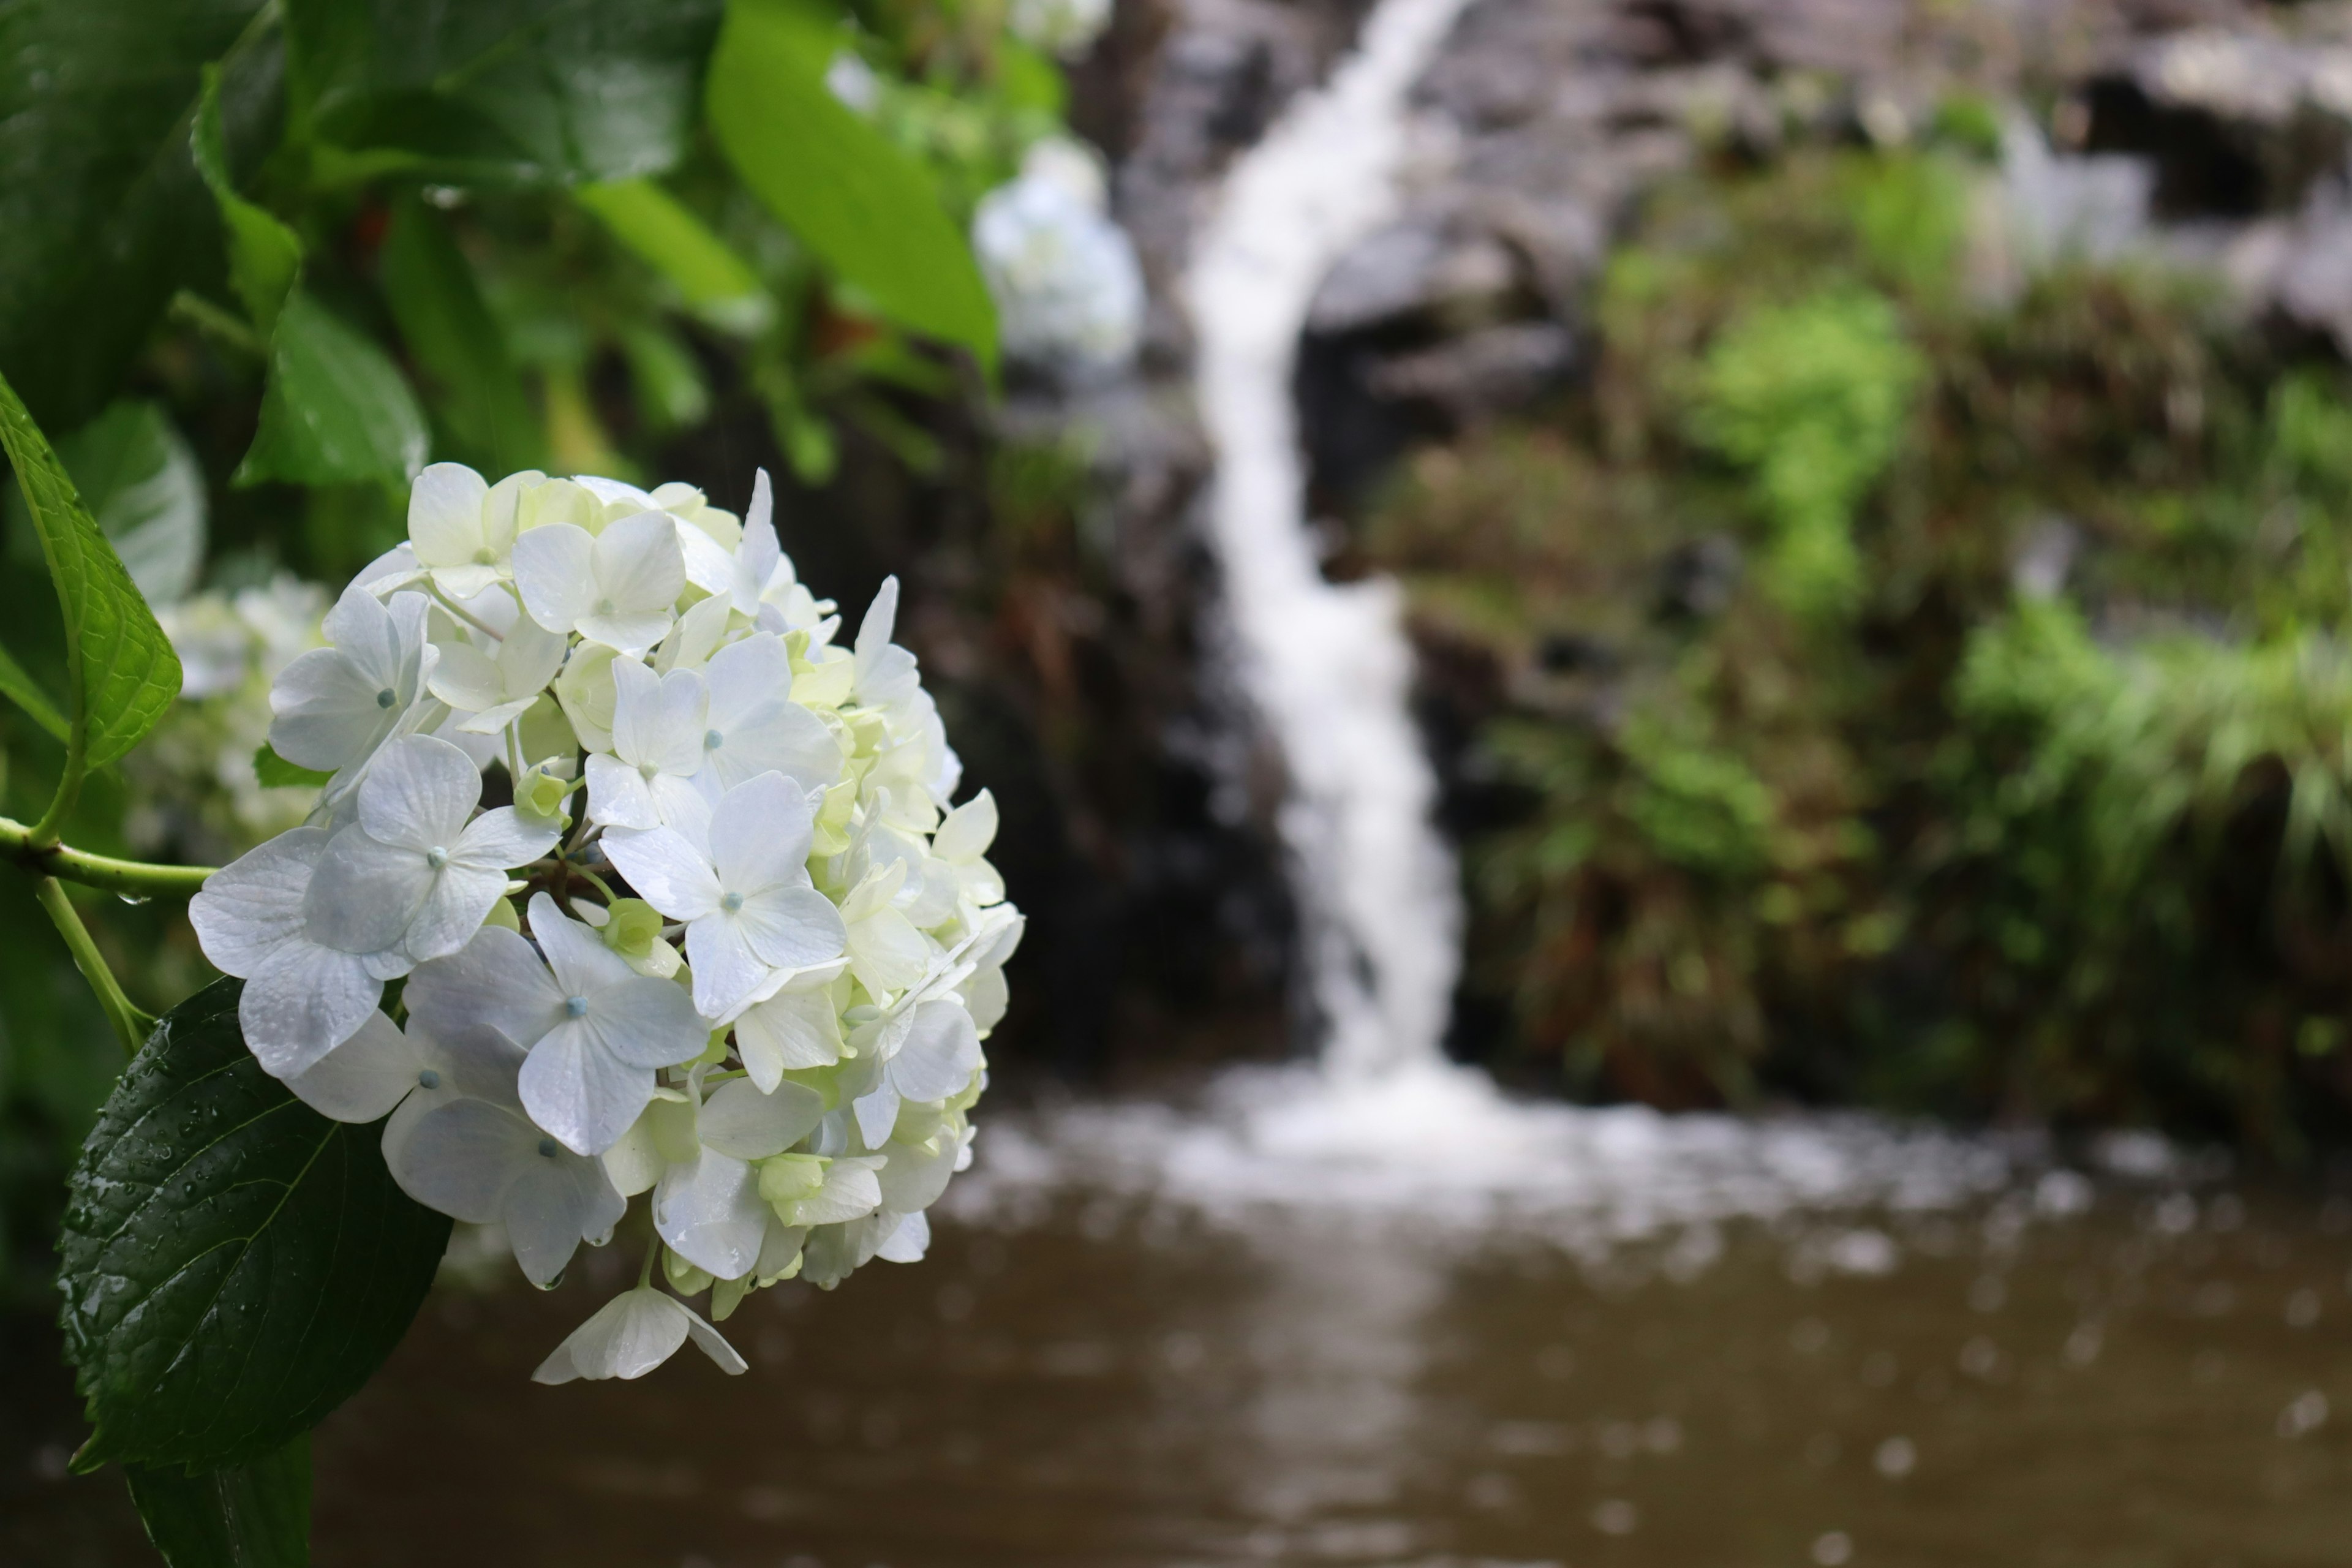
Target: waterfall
column 1327, row 664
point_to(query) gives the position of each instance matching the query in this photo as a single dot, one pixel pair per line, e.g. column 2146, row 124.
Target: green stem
column 577, row 869
column 645, row 1271
column 43, row 835
column 217, row 324
column 132, row 1027
column 24, row 846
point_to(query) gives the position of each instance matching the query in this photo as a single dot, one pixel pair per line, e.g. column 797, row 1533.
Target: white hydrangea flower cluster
column 1068, row 287
column 793, row 1088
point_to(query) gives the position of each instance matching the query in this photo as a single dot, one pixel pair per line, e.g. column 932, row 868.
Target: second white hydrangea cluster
column 1069, row 290
column 725, row 943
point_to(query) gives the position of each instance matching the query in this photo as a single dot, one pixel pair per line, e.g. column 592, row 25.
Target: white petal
column 301, row 1004
column 584, row 965
column 940, row 1054
column 916, row 1177
column 453, row 911
column 657, row 721
column 878, row 1112
column 742, row 1120
column 887, row 952
column 419, row 794
column 469, row 679
column 759, row 835
column 554, row 571
column 252, row 906
column 634, row 1163
column 576, row 1090
column 851, row 1190
column 501, row 839
column 797, row 1030
column 329, row 713
column 557, row 1202
column 968, row 830
column 707, row 566
column 496, row 980
column 445, row 514
column 529, row 658
column 365, row 892
column 667, row 871
column 461, row 1156
column 712, row 1344
column 363, row 1079
column 630, row 634
column 791, row 927
column 647, row 1023
column 709, row 1212
column 725, row 968
column 629, row 1336
column 619, row 796
column 907, row 1242
column 640, row 566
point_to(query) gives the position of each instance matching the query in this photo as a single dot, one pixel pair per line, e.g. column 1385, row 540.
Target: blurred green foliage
column 1906, row 681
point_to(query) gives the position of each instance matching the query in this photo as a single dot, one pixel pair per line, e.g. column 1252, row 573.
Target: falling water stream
column 1325, row 664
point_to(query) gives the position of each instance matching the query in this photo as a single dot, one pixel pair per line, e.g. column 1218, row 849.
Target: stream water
column 1941, row 1356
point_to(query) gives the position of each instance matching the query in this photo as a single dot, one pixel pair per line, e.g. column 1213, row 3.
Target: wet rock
column 1475, row 377
column 1415, row 271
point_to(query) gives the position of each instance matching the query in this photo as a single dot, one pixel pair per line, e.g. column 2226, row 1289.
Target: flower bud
column 787, row 1179
column 540, row 794
column 632, row 929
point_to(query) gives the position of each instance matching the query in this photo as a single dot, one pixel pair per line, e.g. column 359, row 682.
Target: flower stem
column 24, row 846
column 645, row 1270
column 595, row 881
column 131, row 1025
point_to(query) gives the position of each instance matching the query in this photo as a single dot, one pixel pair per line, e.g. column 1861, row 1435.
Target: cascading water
column 1327, row 664
column 1385, row 1124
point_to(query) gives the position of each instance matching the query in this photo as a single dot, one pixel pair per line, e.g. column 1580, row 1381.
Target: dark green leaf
column 457, row 341
column 104, row 215
column 120, row 672
column 336, row 410
column 862, row 206
column 264, row 255
column 500, row 91
column 18, row 686
column 248, row 1516
column 275, row 773
column 233, row 1264
column 670, row 388
column 713, row 281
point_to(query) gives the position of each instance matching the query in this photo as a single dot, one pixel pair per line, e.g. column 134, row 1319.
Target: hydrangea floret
column 671, row 884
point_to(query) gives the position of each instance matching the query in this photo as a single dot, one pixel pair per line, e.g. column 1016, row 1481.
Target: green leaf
column 140, row 480
column 120, row 672
column 234, row 1265
column 336, row 410
column 530, row 92
column 104, row 214
column 264, row 255
column 247, row 1516
column 865, row 208
column 457, row 341
column 20, row 687
column 716, row 283
column 275, row 773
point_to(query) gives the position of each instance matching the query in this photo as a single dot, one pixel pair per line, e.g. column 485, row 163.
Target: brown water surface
column 1100, row 1380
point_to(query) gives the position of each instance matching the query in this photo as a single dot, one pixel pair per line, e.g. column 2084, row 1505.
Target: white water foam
column 1327, row 664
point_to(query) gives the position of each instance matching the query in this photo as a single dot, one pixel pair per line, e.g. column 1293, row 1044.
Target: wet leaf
column 264, row 255
column 457, row 341
column 336, row 410
column 247, row 1516
column 233, row 1264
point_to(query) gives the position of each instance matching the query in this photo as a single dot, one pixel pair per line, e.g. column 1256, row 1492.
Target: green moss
column 1862, row 820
